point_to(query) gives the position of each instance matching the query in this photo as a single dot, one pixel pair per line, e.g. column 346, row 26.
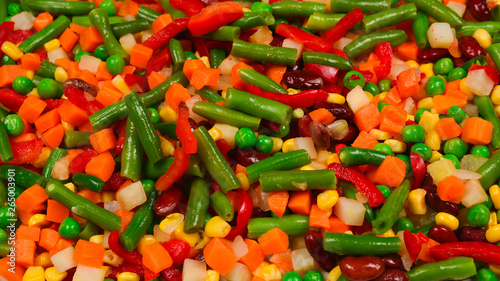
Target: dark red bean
column 442, row 234
column 277, row 41
column 193, row 124
column 199, row 256
column 432, row 200
column 470, row 48
column 303, row 124
column 247, row 157
column 314, row 244
column 297, row 66
column 468, row 233
column 392, row 261
column 431, row 55
column 171, row 274
column 168, row 201
column 362, row 268
column 179, row 250
column 338, row 110
column 479, row 9
column 319, row 135
column 81, row 85
column 303, row 80
column 393, row 275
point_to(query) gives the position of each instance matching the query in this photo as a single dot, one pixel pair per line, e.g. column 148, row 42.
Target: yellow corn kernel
column 426, row 103
column 379, row 134
column 412, row 64
column 427, row 68
column 128, row 276
column 327, row 199
column 388, row 233
column 120, row 84
column 43, row 260
column 12, row 50
column 147, row 239
column 205, row 239
column 335, row 98
column 52, row 45
column 495, row 196
column 464, row 88
column 212, row 275
column 277, row 145
column 215, row 133
column 447, row 220
column 52, row 274
column 42, row 158
column 497, row 110
column 397, row 146
column 416, row 201
column 382, row 96
column 98, row 239
column 483, row 37
column 107, row 196
column 432, row 140
column 435, row 156
column 495, row 95
column 495, row 268
column 493, row 234
column 246, row 10
column 67, row 126
column 369, row 95
column 271, row 272
column 493, row 219
column 61, row 75
column 217, row 227
column 205, row 60
column 171, row 222
column 292, row 91
column 167, row 148
column 429, row 121
column 39, row 220
column 333, row 158
column 197, row 55
column 34, row 273
column 288, row 145
column 192, row 238
column 243, row 179
column 167, row 114
column 223, row 93
column 258, row 271
column 71, row 186
column 34, row 93
column 307, row 168
column 334, row 274
column 297, row 113
column 30, row 74
column 112, row 258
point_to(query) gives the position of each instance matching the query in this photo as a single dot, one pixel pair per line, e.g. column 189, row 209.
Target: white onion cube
column 440, row 35
column 479, row 82
column 302, row 261
column 240, row 272
column 63, row 260
column 128, row 42
column 86, row 273
column 131, row 196
column 357, row 99
column 23, row 21
column 474, row 194
column 350, row 211
column 194, row 270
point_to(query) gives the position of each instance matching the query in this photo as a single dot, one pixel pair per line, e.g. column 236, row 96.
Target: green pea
column 7, row 215
column 386, row 191
column 155, row 116
column 148, row 185
column 372, row 88
column 419, row 114
column 277, row 22
column 76, row 49
column 413, row 133
column 6, row 60
column 69, row 228
column 47, row 88
column 14, row 125
column 423, row 150
column 384, row 85
column 456, row 113
column 101, row 52
column 403, row 224
column 14, row 9
column 435, row 86
column 291, row 276
column 189, row 55
column 478, row 216
column 381, row 106
column 264, row 144
column 456, row 146
column 283, row 132
column 488, row 203
column 3, row 235
column 443, row 66
column 456, row 74
column 115, row 64
column 353, row 79
column 454, row 159
column 22, row 85
column 245, row 138
column 313, row 275
column 261, row 7
column 485, row 274
column 383, row 147
column 481, row 151
column 80, row 54
column 109, row 6
column 9, row 18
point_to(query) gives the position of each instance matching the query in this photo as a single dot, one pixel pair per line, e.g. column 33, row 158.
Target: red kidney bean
column 168, row 201
column 297, row 66
column 260, row 68
column 319, row 135
column 199, row 256
column 432, row 200
column 392, row 261
column 314, row 244
column 470, row 48
column 351, row 135
column 171, row 274
column 393, row 275
column 81, row 85
column 479, row 9
column 303, row 124
column 442, row 234
column 277, row 41
column 468, row 233
column 365, row 227
column 303, row 80
column 328, row 73
column 431, row 55
column 247, row 157
column 193, row 124
column 338, row 110
column 179, row 250
column 362, row 268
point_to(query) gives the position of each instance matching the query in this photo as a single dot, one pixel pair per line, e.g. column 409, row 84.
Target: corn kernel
column 171, row 222
column 382, row 96
column 388, row 233
column 369, row 95
column 416, row 201
column 464, row 88
column 495, row 268
column 495, row 196
column 271, row 272
column 112, row 258
column 192, row 238
column 493, row 234
column 52, row 274
column 215, row 133
column 258, row 271
column 334, row 274
column 145, row 240
column 288, row 145
column 120, row 84
column 246, row 10
column 327, row 199
column 34, row 273
column 426, row 103
column 205, row 60
column 297, row 113
column 107, row 196
column 61, row 75
column 447, row 220
column 412, row 64
column 128, row 276
column 396, row 146
column 43, row 260
column 277, row 145
column 167, row 114
column 292, row 91
column 349, row 232
column 30, row 74
column 67, row 126
column 34, row 93
column 429, row 121
column 307, row 168
column 39, row 220
column 243, row 179
column 98, row 239
column 379, row 134
column 52, row 45
column 432, row 140
column 482, row 37
column 497, row 110
column 223, row 94
column 12, row 50
column 205, row 239
column 493, row 219
column 71, row 186
column 42, row 158
column 333, row 158
column 212, row 275
column 217, row 227
column 495, row 95
column 427, row 68
column 335, row 98
column 167, row 148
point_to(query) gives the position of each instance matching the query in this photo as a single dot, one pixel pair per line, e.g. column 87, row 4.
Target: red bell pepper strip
column 214, row 16
column 11, row 100
column 244, row 214
column 312, row 41
column 81, row 160
column 303, row 99
column 77, row 97
column 171, row 274
column 158, row 61
column 114, row 182
column 184, row 132
column 384, row 54
column 328, row 73
column 5, row 28
column 114, row 245
column 162, row 37
column 26, row 151
column 223, row 147
column 362, row 183
column 175, row 171
column 149, row 275
column 480, row 251
column 419, row 170
column 413, row 244
column 189, row 7
column 340, row 28
column 200, row 44
column 491, row 72
column 132, row 79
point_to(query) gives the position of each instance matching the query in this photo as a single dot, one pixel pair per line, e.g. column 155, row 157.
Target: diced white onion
column 146, row 34
column 160, row 236
column 89, row 63
column 223, row 83
column 440, row 35
column 61, row 170
column 472, row 162
column 85, row 273
column 342, row 42
column 227, row 64
column 239, row 246
column 112, row 206
column 466, row 175
column 23, row 21
column 228, row 133
column 128, row 42
column 63, row 260
column 306, row 143
column 194, row 270
column 479, row 82
column 289, row 43
column 474, row 194
column 190, row 103
column 350, row 211
column 302, row 261
column 398, row 66
column 131, row 196
column 458, row 8
column 357, row 99
column 240, row 272
column 57, row 54
column 262, row 36
column 338, row 129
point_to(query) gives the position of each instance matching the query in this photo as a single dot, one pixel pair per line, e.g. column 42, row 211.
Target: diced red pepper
column 223, row 147
column 77, row 97
column 328, row 73
column 158, row 61
column 419, row 170
column 384, row 54
column 480, row 251
column 183, row 131
column 162, row 37
column 190, row 7
column 340, row 28
column 27, row 151
column 214, row 16
column 244, row 215
column 11, row 99
column 179, row 250
column 114, row 182
column 52, row 104
column 81, row 160
column 149, row 275
column 312, row 41
column 413, row 244
column 132, row 79
column 175, row 171
column 303, row 99
column 133, row 257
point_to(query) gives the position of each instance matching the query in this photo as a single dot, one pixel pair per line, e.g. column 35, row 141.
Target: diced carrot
column 283, row 260
column 156, row 258
column 25, row 232
column 370, row 66
column 337, row 225
column 68, row 39
column 393, row 119
column 160, row 22
column 205, row 77
column 102, row 72
column 457, row 1
column 256, row 278
column 456, row 94
column 393, row 97
column 274, row 241
column 31, row 61
column 42, row 20
column 88, row 77
column 9, row 72
column 322, row 115
column 74, row 70
column 453, row 85
column 48, row 238
column 103, row 140
column 477, row 131
column 318, row 217
column 54, row 136
column 127, row 8
column 108, row 95
column 451, row 189
column 25, row 216
column 367, row 118
column 88, row 253
column 275, row 72
column 64, row 63
column 447, row 128
column 101, row 166
column 442, row 103
column 155, row 79
column 191, row 65
column 86, row 127
column 278, row 201
column 25, row 252
column 72, row 114
column 219, row 256
column 47, row 120
column 175, row 95
column 391, row 172
column 408, row 83
column 56, row 212
column 254, row 257
column 364, row 140
column 7, row 272
column 129, row 69
column 93, row 196
column 125, row 216
column 240, row 169
column 300, row 202
column 31, row 108
column 235, row 79
column 23, row 138
column 30, row 200
column 61, row 245
column 140, row 55
column 408, row 51
column 78, row 29
column 90, row 39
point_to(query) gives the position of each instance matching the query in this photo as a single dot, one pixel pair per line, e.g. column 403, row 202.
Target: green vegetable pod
column 360, row 245
column 293, row 225
column 264, row 53
column 367, row 6
column 453, row 269
column 366, row 43
column 51, row 31
column 328, row 60
column 226, row 115
column 285, row 161
column 197, row 205
column 298, row 180
column 389, row 17
column 69, row 8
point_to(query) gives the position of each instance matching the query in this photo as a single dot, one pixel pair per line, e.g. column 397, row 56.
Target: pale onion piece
column 342, row 42
column 23, row 21
column 239, row 246
column 161, row 236
column 129, row 18
column 338, row 129
column 105, row 239
column 405, row 256
column 302, row 261
column 398, row 66
column 458, row 8
column 57, row 54
column 89, row 63
column 61, row 169
column 85, row 273
column 128, row 42
column 466, row 175
column 440, row 35
column 322, row 156
column 166, row 71
column 262, row 199
column 112, row 206
column 227, row 64
column 306, row 143
column 472, row 162
column 240, row 272
column 223, row 83
column 146, row 34
column 262, row 36
column 441, row 169
column 194, row 270
column 361, row 198
column 357, row 99
column 474, row 194
column 228, row 133
column 289, row 43
column 190, row 103
column 131, row 196
column 479, row 82
column 317, row 165
column 63, row 260
column 350, row 211
column 298, row 242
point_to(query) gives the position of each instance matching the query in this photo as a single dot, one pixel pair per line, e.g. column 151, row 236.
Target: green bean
column 217, row 56
column 490, row 171
column 3, row 113
column 85, row 20
column 226, row 115
column 426, row 228
column 156, row 170
column 328, row 60
column 349, row 191
column 224, row 33
column 420, row 26
column 322, row 22
column 365, row 43
column 83, row 207
column 3, row 191
column 453, row 269
column 293, row 225
column 148, row 137
column 254, row 19
column 4, row 249
column 286, row 9
column 367, row 6
column 360, row 245
column 167, row 129
column 439, row 11
column 89, row 230
column 69, row 8
column 171, row 10
column 389, row 17
column 177, row 53
column 46, row 69
column 297, row 180
column 487, row 111
column 123, row 28
column 209, row 94
column 221, row 205
column 22, row 176
column 3, row 9
column 197, row 205
column 468, row 28
column 286, row 161
column 355, row 156
column 132, row 153
column 99, row 18
column 76, row 138
column 87, row 181
column 56, row 154
column 259, row 106
column 51, row 31
column 6, row 153
column 494, row 51
column 251, row 76
column 215, row 163
column 139, row 224
column 479, row 60
column 391, row 208
column 145, row 13
column 264, row 53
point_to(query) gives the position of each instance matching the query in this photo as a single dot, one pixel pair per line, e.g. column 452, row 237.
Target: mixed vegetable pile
column 205, row 140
